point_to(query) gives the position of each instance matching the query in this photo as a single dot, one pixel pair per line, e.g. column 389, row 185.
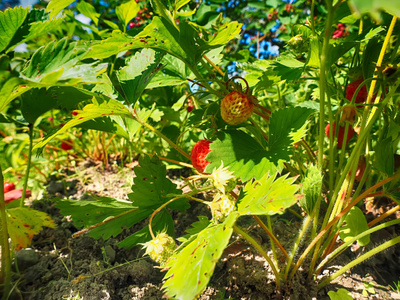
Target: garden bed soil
column 61, row 267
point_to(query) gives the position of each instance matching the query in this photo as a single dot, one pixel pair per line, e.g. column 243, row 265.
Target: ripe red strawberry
column 66, row 145
column 198, row 155
column 8, row 186
column 341, row 132
column 236, row 108
column 362, row 93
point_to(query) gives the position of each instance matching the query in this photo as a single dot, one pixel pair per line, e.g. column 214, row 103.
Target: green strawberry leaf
column 288, row 68
column 160, row 9
column 373, row 7
column 287, row 127
column 226, row 32
column 355, row 223
column 11, row 20
column 36, row 24
column 197, row 227
column 174, row 72
column 244, row 156
column 100, row 107
column 127, row 11
column 159, row 35
column 55, row 6
column 384, row 158
column 9, row 80
column 114, row 214
column 36, row 102
column 58, row 63
column 152, row 188
column 89, row 11
column 190, row 269
column 108, row 124
column 341, row 294
column 138, row 72
column 268, row 196
column 162, row 222
column 23, row 223
column 106, row 217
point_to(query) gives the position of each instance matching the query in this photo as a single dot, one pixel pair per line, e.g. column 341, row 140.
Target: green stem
column 345, row 245
column 258, row 247
column 333, row 222
column 171, row 143
column 271, row 236
column 323, row 83
column 5, row 271
column 28, row 166
column 358, row 260
column 304, row 228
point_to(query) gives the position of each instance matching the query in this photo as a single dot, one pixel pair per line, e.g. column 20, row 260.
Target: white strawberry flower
column 222, row 179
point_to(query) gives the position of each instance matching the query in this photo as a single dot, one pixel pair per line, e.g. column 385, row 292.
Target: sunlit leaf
column 58, row 63
column 190, row 270
column 138, row 72
column 287, row 126
column 159, row 35
column 99, row 108
column 10, row 21
column 268, row 196
column 374, row 7
column 55, row 6
column 340, row 294
column 244, row 156
column 355, row 223
column 86, row 213
column 127, row 11
column 89, row 11
column 288, row 68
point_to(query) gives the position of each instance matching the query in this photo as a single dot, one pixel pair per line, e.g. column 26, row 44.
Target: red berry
column 362, row 93
column 8, row 186
column 131, row 24
column 198, row 155
column 189, row 108
column 66, row 145
column 236, row 108
column 341, row 132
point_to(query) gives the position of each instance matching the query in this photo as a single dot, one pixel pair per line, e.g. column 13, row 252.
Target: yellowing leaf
column 23, row 223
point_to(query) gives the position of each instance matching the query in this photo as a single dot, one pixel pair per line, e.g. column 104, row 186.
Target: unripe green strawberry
column 298, row 44
column 160, row 248
column 341, row 132
column 236, row 108
column 198, row 155
column 221, row 207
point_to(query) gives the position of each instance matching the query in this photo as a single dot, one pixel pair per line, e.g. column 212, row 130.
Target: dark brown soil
column 84, row 268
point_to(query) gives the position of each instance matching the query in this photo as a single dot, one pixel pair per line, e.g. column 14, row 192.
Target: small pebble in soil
column 26, row 258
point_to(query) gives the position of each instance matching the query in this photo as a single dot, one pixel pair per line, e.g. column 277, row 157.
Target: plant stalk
column 333, row 222
column 258, row 247
column 5, row 271
column 28, row 166
column 360, row 259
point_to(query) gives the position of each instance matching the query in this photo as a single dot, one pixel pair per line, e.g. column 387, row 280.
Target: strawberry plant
column 256, row 135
